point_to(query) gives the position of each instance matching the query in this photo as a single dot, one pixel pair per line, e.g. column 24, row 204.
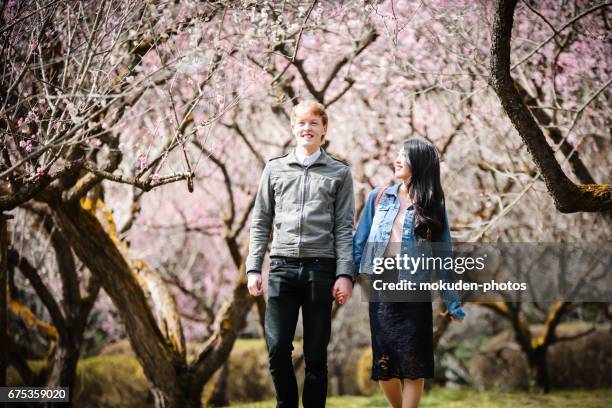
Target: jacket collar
column 322, row 159
column 393, row 190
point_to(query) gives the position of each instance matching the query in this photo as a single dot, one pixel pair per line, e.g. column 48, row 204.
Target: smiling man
column 305, row 199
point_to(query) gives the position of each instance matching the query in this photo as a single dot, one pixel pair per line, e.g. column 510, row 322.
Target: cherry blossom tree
column 142, row 130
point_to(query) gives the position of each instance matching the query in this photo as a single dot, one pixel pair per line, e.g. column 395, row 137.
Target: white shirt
column 398, row 227
column 307, row 160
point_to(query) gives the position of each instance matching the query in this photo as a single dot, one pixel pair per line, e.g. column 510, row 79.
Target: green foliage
column 103, row 381
column 111, row 381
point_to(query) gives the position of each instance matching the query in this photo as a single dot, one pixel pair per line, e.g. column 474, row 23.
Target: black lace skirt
column 402, row 335
column 402, row 340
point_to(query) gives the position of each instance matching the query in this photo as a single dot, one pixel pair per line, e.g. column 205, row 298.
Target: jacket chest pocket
column 286, row 190
column 321, row 188
column 382, row 222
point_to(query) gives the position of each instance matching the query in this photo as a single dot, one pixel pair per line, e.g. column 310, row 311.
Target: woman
column 407, row 215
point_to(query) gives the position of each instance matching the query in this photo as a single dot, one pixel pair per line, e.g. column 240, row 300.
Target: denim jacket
column 373, row 234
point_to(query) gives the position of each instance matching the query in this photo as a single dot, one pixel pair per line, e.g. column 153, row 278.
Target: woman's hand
column 454, row 319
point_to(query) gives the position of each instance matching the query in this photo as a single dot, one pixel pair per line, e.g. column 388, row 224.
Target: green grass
column 465, row 397
column 249, row 344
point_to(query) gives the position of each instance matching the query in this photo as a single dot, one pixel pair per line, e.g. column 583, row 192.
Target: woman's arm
column 450, row 297
column 363, row 229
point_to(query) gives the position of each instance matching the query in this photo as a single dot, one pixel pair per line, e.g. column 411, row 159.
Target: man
column 306, row 199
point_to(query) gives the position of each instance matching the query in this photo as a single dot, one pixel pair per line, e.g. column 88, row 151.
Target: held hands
column 458, row 315
column 254, row 284
column 454, row 319
column 453, row 310
column 343, row 289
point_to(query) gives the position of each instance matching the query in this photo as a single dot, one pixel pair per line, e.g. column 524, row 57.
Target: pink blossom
column 27, row 145
column 561, row 81
column 31, row 116
column 568, row 61
column 40, row 171
column 142, row 162
column 156, row 177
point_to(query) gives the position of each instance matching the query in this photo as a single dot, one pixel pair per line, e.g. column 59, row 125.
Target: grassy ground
column 465, row 397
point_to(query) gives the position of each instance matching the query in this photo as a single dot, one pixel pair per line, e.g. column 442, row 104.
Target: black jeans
column 295, row 283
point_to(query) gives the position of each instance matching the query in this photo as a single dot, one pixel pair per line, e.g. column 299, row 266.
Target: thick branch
column 568, row 197
column 555, row 134
column 41, row 290
column 30, row 190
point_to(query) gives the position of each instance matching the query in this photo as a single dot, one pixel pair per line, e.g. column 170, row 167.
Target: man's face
column 309, row 131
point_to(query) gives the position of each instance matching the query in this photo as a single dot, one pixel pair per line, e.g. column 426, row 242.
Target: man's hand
column 254, row 284
column 343, row 289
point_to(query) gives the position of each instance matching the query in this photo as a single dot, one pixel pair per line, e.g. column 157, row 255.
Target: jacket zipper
column 302, row 211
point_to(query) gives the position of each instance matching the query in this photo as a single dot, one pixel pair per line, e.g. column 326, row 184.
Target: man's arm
column 344, row 210
column 261, row 223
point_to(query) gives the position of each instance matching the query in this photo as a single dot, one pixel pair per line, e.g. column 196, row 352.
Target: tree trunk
column 230, row 321
column 62, row 370
column 4, row 344
column 218, row 397
column 161, row 354
column 63, row 367
column 162, row 363
column 539, row 368
column 261, row 315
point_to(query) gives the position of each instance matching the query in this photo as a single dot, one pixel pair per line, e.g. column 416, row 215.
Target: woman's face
column 402, row 169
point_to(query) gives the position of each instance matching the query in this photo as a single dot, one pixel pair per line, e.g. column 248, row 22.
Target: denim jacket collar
column 393, row 191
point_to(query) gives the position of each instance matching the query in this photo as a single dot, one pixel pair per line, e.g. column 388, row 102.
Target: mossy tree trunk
column 161, row 353
column 162, row 358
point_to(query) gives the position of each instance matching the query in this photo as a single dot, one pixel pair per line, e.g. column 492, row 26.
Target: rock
column 583, row 362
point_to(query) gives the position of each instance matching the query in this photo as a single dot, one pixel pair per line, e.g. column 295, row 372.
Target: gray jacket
column 310, row 211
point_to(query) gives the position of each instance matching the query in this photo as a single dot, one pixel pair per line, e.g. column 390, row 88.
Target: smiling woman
column 410, row 211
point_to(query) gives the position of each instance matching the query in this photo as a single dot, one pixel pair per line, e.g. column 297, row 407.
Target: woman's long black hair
column 425, row 188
